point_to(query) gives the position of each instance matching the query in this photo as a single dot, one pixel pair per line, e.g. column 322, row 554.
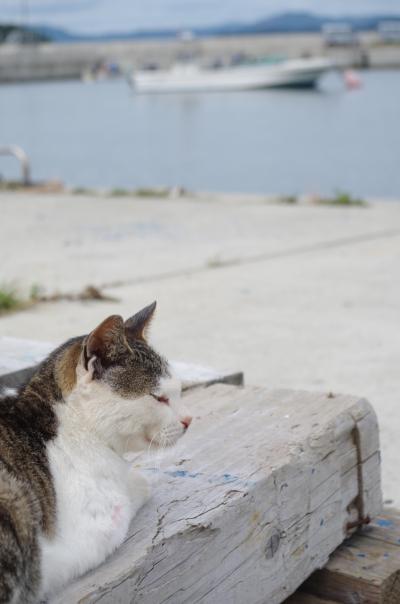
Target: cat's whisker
column 156, row 453
column 149, row 452
column 161, row 449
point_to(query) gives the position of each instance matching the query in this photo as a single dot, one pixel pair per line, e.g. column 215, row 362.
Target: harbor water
column 101, row 134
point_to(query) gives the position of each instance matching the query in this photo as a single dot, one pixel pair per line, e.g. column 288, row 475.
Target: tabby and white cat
column 67, row 496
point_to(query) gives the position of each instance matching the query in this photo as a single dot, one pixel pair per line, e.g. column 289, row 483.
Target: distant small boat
column 190, row 77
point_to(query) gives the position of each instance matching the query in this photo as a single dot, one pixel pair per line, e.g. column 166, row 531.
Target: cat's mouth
column 160, row 398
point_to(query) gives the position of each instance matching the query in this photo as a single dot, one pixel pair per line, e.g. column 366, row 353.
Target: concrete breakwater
column 69, row 61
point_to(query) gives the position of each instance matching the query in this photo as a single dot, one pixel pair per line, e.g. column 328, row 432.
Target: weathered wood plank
column 365, row 568
column 17, row 354
column 19, row 358
column 250, row 503
column 303, row 598
column 385, row 527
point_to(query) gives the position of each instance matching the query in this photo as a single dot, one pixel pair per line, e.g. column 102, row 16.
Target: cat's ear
column 137, row 326
column 102, row 344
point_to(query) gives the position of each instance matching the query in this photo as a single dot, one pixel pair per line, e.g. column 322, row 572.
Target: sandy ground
column 296, row 296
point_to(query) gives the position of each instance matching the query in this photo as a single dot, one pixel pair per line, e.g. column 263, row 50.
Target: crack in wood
column 222, row 542
column 159, row 526
column 359, row 499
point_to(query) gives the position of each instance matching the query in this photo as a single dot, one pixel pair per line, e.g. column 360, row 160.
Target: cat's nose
column 186, row 421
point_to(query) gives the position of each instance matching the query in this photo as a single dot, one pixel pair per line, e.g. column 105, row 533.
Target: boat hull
column 295, row 73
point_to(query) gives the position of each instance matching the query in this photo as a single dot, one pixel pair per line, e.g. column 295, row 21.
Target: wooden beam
column 303, row 598
column 19, row 359
column 256, row 496
column 366, row 568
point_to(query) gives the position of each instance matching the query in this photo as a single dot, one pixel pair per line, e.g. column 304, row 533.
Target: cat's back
column 19, row 514
column 26, row 425
column 26, row 499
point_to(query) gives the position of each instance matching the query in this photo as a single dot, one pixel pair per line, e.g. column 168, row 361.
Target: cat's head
column 124, row 388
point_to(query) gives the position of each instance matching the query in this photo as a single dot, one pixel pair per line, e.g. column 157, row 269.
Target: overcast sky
column 95, row 16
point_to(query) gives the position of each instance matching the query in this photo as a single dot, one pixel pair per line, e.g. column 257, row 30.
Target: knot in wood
column 273, row 544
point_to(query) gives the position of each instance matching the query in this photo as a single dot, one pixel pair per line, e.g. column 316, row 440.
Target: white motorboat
column 190, row 77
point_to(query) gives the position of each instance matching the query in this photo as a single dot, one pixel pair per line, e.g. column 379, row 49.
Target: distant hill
column 57, row 34
column 21, row 35
column 289, row 22
column 297, row 22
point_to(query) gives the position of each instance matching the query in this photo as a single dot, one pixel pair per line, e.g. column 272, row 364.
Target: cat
column 67, row 495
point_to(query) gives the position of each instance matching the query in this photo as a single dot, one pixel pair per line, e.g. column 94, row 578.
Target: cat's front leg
column 139, row 490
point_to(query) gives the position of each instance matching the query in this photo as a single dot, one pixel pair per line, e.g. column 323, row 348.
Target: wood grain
column 303, row 598
column 253, row 500
column 365, row 568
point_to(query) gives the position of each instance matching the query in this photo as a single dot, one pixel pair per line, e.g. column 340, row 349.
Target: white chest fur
column 97, row 495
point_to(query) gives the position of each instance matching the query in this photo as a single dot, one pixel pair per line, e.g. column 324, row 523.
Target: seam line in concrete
column 297, row 251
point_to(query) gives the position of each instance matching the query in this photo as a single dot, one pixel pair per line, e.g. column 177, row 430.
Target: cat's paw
column 139, row 488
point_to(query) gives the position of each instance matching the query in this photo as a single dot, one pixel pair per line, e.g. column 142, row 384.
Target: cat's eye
column 161, row 399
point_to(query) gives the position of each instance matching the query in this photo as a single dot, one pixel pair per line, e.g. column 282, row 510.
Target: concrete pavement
column 297, row 296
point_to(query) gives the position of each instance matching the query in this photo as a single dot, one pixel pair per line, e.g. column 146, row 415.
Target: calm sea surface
column 102, row 134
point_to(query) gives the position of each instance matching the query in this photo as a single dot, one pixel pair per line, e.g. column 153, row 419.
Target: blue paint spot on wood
column 180, row 473
column 174, row 473
column 361, row 555
column 183, row 474
column 216, row 479
column 230, row 478
column 383, row 522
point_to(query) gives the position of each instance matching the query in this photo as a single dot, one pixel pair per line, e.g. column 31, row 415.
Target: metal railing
column 22, row 157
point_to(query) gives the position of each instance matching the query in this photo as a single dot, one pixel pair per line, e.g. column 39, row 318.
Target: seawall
column 64, row 61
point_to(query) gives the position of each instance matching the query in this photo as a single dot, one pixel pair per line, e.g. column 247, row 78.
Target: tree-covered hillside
column 14, row 33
